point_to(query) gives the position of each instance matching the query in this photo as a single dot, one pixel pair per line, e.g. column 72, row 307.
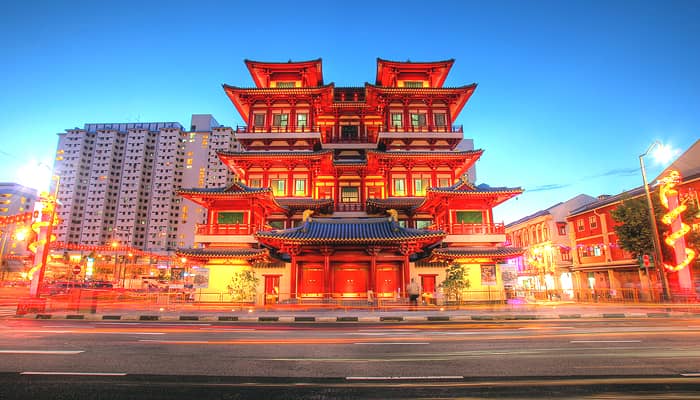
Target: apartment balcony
column 473, row 233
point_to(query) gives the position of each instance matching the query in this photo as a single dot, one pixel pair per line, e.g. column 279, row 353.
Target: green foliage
column 634, row 227
column 243, row 286
column 455, row 282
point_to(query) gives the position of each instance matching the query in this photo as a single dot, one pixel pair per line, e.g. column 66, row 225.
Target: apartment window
column 580, row 225
column 349, row 194
column 413, row 84
column 278, row 186
column 396, row 120
column 302, row 120
column 280, row 119
column 593, row 222
column 300, row 187
column 285, row 84
column 399, row 186
column 417, row 120
column 440, row 119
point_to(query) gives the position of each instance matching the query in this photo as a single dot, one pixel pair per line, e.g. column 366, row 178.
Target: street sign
column 76, row 269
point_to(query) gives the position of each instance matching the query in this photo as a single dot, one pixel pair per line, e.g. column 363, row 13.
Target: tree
column 455, row 282
column 243, row 286
column 634, row 228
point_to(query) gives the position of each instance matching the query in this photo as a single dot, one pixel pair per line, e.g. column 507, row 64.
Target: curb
column 152, row 317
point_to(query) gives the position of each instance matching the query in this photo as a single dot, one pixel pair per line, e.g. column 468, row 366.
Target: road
column 645, row 353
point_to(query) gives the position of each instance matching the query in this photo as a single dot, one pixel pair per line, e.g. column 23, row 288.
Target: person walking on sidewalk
column 413, row 290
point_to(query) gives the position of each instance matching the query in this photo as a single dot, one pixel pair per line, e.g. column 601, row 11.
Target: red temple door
column 427, row 286
column 312, row 281
column 388, row 280
column 350, row 280
column 272, row 289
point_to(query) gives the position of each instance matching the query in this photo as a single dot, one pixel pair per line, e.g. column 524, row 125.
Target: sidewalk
column 478, row 312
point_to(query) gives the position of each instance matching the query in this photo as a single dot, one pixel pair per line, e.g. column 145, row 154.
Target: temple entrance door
column 350, row 280
column 388, row 280
column 272, row 289
column 312, row 281
column 427, row 286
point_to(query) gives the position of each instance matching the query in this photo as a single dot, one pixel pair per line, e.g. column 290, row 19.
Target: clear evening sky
column 570, row 92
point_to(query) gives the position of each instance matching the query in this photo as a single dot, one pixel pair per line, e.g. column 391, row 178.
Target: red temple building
column 349, row 192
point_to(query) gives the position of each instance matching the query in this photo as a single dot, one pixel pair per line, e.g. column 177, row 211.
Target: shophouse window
column 440, row 119
column 580, row 225
column 259, row 120
column 300, row 187
column 349, row 195
column 301, row 120
column 399, row 186
column 280, row 120
column 561, row 228
column 593, row 222
column 396, row 120
column 417, row 120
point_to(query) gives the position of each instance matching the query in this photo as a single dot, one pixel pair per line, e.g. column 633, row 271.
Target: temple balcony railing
column 277, row 129
column 424, row 128
column 221, row 233
column 349, row 207
column 473, row 233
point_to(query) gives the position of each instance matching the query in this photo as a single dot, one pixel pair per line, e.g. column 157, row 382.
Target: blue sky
column 570, row 92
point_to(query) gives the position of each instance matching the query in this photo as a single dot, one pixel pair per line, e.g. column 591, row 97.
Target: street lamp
column 115, row 273
column 658, row 257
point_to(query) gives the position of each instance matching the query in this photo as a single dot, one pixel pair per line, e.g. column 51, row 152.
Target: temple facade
column 349, row 192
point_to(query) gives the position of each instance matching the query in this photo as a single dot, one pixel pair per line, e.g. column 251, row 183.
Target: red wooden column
column 406, row 115
column 405, row 250
column 293, row 277
column 327, row 276
column 373, row 251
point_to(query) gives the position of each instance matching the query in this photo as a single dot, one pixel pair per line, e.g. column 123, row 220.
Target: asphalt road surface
column 606, row 358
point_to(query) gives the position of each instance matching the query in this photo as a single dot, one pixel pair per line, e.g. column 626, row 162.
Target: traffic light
column 645, row 260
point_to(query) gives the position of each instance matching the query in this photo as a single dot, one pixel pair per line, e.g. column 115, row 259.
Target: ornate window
column 399, row 185
column 280, row 120
column 440, row 119
column 349, row 194
column 300, row 187
column 418, row 120
column 396, row 120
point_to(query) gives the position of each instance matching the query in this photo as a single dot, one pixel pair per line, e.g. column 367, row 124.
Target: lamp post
column 116, row 272
column 658, row 257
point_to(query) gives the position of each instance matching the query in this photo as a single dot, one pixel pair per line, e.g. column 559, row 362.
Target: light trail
column 73, row 373
column 55, row 352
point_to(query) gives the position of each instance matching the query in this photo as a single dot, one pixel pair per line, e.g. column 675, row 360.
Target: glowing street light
column 662, row 154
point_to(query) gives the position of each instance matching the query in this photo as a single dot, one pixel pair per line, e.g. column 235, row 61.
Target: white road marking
column 605, row 341
column 384, row 378
column 174, row 341
column 74, row 373
column 63, row 352
column 380, row 343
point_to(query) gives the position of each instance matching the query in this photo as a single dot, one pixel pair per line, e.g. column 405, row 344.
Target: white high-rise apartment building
column 118, row 181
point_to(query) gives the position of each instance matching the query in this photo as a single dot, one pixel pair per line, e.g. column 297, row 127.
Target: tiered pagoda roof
column 351, row 231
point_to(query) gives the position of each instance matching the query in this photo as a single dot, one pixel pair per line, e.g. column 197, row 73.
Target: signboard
column 509, row 274
column 76, row 269
column 201, row 278
column 488, row 275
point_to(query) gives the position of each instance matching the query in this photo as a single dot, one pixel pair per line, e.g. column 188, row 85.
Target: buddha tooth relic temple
column 350, row 192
